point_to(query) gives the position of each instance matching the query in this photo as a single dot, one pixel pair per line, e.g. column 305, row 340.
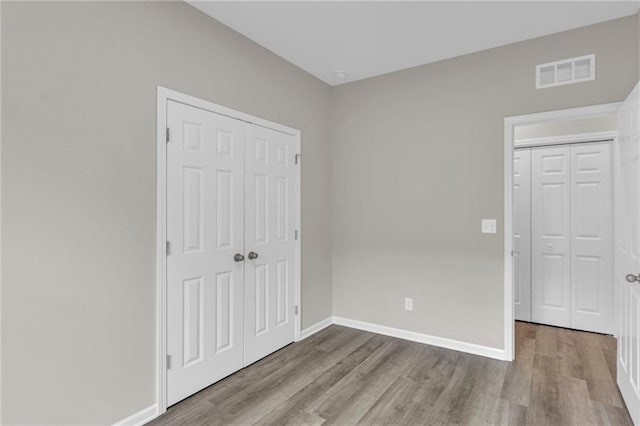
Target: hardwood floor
column 345, row 376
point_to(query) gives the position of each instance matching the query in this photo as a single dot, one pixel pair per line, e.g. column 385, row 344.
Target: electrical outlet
column 408, row 304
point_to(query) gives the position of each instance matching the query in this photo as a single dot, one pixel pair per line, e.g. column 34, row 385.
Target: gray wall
column 78, row 185
column 418, row 161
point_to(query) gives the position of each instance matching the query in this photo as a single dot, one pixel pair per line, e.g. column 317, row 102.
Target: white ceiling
column 365, row 39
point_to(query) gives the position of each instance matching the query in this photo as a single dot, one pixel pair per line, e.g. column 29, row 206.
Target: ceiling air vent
column 567, row 71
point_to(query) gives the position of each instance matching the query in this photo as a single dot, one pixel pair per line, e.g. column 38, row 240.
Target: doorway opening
column 559, row 220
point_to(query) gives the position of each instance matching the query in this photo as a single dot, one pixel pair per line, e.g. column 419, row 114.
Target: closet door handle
column 238, row 257
column 252, row 255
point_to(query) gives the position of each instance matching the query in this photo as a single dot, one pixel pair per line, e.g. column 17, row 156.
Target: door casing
column 163, row 96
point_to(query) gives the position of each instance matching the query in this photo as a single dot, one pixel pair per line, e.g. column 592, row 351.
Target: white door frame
column 509, row 125
column 165, row 95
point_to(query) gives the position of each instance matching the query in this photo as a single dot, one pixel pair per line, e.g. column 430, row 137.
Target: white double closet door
column 231, row 209
column 563, row 224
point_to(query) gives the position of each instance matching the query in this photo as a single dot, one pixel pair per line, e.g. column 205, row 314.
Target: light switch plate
column 408, row 304
column 488, row 226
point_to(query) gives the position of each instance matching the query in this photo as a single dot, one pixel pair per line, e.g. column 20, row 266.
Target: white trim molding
column 140, row 418
column 427, row 339
column 510, row 124
column 509, row 318
column 565, row 114
column 321, row 325
column 567, row 139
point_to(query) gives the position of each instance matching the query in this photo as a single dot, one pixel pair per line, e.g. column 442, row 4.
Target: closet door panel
column 269, row 321
column 205, row 226
column 551, row 235
column 522, row 233
column 592, row 239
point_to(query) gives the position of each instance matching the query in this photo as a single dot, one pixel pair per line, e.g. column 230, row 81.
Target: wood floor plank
column 525, row 330
column 544, row 407
column 345, row 376
column 302, row 418
column 510, row 414
column 484, row 403
column 300, row 401
column 517, row 382
column 610, row 415
column 391, row 407
column 248, row 406
column 577, row 408
column 375, row 387
column 357, row 391
column 546, row 343
column 594, row 365
column 433, row 374
column 345, row 366
column 311, row 393
column 569, row 361
column 449, row 407
column 610, row 356
column 437, row 365
column 605, row 391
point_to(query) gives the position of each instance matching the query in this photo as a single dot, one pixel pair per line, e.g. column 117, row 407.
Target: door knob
column 633, row 278
column 238, row 257
column 252, row 255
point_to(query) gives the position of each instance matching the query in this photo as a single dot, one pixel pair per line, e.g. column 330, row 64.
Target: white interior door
column 205, row 228
column 551, row 236
column 522, row 233
column 270, row 242
column 591, row 238
column 627, row 252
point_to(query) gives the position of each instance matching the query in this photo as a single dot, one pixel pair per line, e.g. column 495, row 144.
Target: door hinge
column 295, row 234
column 168, row 135
column 168, row 362
column 298, row 158
column 512, row 253
column 296, row 309
column 168, row 248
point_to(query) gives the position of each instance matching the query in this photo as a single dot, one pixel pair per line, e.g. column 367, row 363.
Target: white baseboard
column 442, row 342
column 140, row 418
column 316, row 327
